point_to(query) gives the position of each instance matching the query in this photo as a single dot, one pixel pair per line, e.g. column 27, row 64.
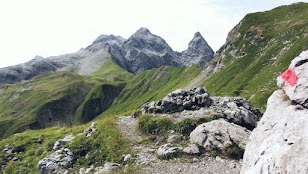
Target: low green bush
column 149, row 125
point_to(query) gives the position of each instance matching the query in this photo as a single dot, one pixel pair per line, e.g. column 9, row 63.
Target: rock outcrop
column 60, row 160
column 198, row 52
column 236, row 110
column 61, row 143
column 220, row 135
column 179, row 100
column 167, row 151
column 279, row 143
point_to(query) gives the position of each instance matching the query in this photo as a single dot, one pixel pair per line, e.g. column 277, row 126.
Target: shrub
column 234, row 152
column 148, row 125
column 187, row 125
column 214, row 153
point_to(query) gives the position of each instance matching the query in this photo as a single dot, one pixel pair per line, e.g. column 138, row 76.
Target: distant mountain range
column 141, row 51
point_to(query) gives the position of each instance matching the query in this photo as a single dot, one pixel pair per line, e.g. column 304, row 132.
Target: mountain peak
column 198, row 52
column 197, row 34
column 108, row 38
column 143, row 31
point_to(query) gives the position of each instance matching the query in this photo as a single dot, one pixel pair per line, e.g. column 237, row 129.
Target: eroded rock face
column 56, row 162
column 220, row 134
column 61, row 159
column 236, row 110
column 198, row 52
column 279, row 143
column 179, row 100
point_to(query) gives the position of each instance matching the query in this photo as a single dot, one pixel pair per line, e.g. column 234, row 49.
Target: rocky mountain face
column 279, row 143
column 142, row 51
column 198, row 52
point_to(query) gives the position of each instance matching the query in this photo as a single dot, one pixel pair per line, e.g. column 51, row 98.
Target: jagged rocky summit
column 279, row 143
column 198, row 52
column 141, row 51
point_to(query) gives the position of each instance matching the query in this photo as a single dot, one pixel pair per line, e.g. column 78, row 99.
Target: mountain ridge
column 141, row 51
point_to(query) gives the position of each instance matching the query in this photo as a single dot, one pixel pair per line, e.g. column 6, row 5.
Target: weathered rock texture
column 220, row 134
column 61, row 159
column 279, row 143
column 237, row 110
column 198, row 52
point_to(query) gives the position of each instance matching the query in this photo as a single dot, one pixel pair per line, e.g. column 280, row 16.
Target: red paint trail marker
column 290, row 77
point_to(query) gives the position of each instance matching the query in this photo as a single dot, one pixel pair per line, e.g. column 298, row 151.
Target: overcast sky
column 54, row 27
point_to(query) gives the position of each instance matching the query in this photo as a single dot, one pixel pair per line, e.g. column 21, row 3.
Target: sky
column 55, row 27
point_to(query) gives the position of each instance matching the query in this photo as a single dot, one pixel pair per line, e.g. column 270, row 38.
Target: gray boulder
column 294, row 80
column 236, row 110
column 167, row 151
column 57, row 162
column 108, row 167
column 279, row 143
column 89, row 131
column 61, row 143
column 179, row 100
column 220, row 134
column 191, row 149
column 174, row 138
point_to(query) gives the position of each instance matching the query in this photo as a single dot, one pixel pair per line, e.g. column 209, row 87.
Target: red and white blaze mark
column 290, row 77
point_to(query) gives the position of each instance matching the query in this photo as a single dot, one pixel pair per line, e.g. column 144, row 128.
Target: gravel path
column 146, row 157
column 127, row 126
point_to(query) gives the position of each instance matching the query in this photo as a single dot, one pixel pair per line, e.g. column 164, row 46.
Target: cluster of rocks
column 214, row 135
column 108, row 167
column 178, row 101
column 61, row 159
column 236, row 110
column 279, row 142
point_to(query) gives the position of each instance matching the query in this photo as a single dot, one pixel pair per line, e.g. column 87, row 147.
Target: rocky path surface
column 146, row 157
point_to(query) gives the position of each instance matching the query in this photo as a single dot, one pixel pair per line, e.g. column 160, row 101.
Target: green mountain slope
column 152, row 85
column 59, row 98
column 263, row 45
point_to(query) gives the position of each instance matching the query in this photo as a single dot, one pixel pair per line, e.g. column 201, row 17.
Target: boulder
column 179, row 100
column 89, row 131
column 294, row 81
column 174, row 138
column 57, row 161
column 167, row 151
column 236, row 110
column 191, row 149
column 61, row 143
column 279, row 143
column 108, row 167
column 220, row 134
column 127, row 158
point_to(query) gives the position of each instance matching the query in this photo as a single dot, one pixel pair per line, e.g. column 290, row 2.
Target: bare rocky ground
column 146, row 156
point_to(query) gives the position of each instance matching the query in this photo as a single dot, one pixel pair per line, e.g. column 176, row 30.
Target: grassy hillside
column 47, row 100
column 268, row 42
column 152, row 85
column 33, row 145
